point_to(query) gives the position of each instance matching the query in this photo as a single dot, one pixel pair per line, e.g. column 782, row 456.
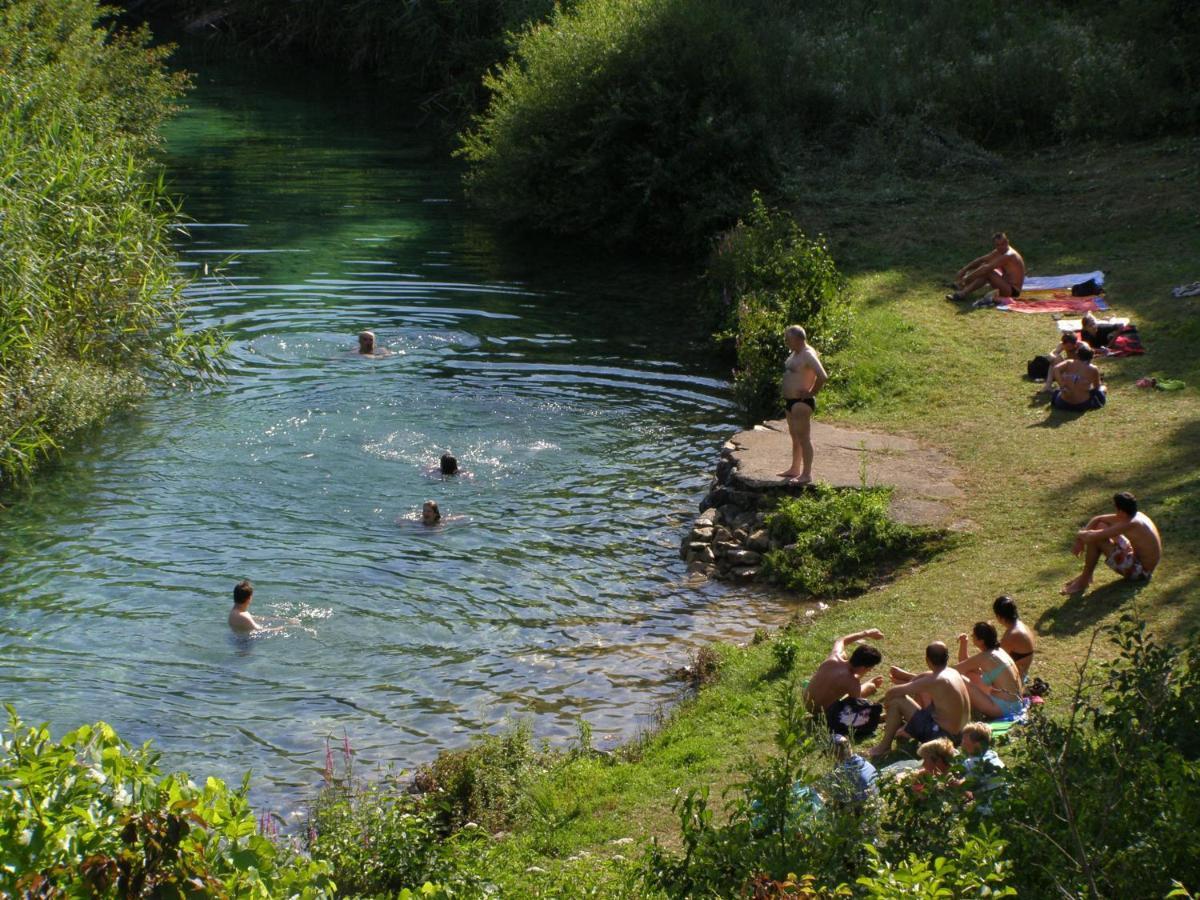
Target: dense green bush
column 837, row 541
column 764, row 276
column 638, row 122
column 434, row 51
column 91, row 816
column 87, row 282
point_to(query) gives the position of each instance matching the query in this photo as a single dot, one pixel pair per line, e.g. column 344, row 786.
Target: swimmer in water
column 430, row 514
column 448, row 464
column 367, row 346
column 240, row 619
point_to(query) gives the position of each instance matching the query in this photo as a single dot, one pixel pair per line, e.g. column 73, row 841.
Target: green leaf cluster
column 88, row 815
column 837, row 540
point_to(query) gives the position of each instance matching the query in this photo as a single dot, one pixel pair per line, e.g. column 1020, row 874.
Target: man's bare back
column 951, row 700
column 835, row 677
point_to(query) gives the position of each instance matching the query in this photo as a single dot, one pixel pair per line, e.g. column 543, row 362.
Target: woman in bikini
column 1079, row 388
column 993, row 679
column 1017, row 640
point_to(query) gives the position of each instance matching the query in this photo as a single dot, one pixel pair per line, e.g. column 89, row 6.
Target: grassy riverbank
column 87, row 282
column 921, row 366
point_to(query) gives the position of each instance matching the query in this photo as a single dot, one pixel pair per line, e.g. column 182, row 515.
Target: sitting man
column 1003, row 268
column 1127, row 539
column 944, row 708
column 836, row 692
column 1079, row 387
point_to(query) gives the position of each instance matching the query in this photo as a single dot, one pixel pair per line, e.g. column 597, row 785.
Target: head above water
column 430, row 514
column 1005, row 608
column 937, row 656
column 366, row 342
column 448, row 464
column 795, row 336
column 865, row 657
column 1126, row 503
column 985, row 633
column 243, row 591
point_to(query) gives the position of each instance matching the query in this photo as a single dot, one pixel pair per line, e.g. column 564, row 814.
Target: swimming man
column 240, row 619
column 367, row 346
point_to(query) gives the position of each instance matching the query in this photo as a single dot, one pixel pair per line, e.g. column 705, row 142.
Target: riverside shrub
column 764, row 276
column 645, row 123
column 88, row 815
column 838, row 540
column 88, row 292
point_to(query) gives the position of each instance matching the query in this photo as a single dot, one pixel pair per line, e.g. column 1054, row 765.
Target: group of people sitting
column 1072, row 379
column 925, row 706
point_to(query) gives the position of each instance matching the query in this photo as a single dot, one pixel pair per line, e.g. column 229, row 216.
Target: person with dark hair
column 240, row 619
column 448, row 464
column 1079, row 386
column 430, row 513
column 836, row 692
column 1002, row 268
column 1017, row 639
column 948, row 706
column 1127, row 539
column 993, row 679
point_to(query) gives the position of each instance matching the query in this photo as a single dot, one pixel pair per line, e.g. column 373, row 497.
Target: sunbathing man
column 1003, row 268
column 944, row 709
column 803, row 378
column 1079, row 386
column 1127, row 539
column 838, row 677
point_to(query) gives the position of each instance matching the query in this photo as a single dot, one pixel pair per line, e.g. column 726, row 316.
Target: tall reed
column 88, row 291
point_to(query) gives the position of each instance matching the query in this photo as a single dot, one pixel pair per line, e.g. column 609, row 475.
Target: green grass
column 924, row 367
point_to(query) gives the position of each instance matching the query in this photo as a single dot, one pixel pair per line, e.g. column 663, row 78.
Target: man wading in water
column 803, row 378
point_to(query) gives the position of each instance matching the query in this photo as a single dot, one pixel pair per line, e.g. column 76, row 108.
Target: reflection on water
column 573, row 391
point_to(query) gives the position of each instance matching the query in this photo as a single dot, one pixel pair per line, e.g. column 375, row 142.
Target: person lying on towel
column 1079, row 388
column 1003, row 269
column 835, row 691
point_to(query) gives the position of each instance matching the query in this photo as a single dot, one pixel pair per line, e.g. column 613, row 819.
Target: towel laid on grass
column 1059, row 282
column 1056, row 302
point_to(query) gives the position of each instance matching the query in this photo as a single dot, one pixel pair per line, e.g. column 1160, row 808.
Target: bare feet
column 789, row 474
column 1076, row 586
column 800, row 479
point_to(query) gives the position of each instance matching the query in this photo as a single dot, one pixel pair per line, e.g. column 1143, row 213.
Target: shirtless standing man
column 1003, row 269
column 1127, row 539
column 838, row 677
column 803, row 378
column 947, row 706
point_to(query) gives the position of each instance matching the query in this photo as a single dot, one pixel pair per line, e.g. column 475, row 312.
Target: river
column 572, row 388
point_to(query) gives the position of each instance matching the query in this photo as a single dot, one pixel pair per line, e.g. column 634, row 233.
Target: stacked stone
column 729, row 537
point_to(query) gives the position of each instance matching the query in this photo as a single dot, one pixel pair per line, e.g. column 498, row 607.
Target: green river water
column 570, row 386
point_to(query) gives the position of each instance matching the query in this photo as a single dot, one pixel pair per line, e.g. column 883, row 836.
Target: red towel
column 1059, row 304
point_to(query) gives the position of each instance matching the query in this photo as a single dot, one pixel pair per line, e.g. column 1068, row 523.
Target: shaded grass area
column 924, row 367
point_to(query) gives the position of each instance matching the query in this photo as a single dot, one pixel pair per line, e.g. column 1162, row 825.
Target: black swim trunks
column 809, row 401
column 923, row 727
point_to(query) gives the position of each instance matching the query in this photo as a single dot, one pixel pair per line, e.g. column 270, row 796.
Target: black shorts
column 810, row 402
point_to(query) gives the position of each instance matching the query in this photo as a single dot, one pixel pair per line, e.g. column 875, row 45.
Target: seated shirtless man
column 929, row 706
column 1127, row 539
column 838, row 677
column 1003, row 268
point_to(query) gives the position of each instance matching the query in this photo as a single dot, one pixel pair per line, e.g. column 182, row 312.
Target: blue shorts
column 924, row 727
